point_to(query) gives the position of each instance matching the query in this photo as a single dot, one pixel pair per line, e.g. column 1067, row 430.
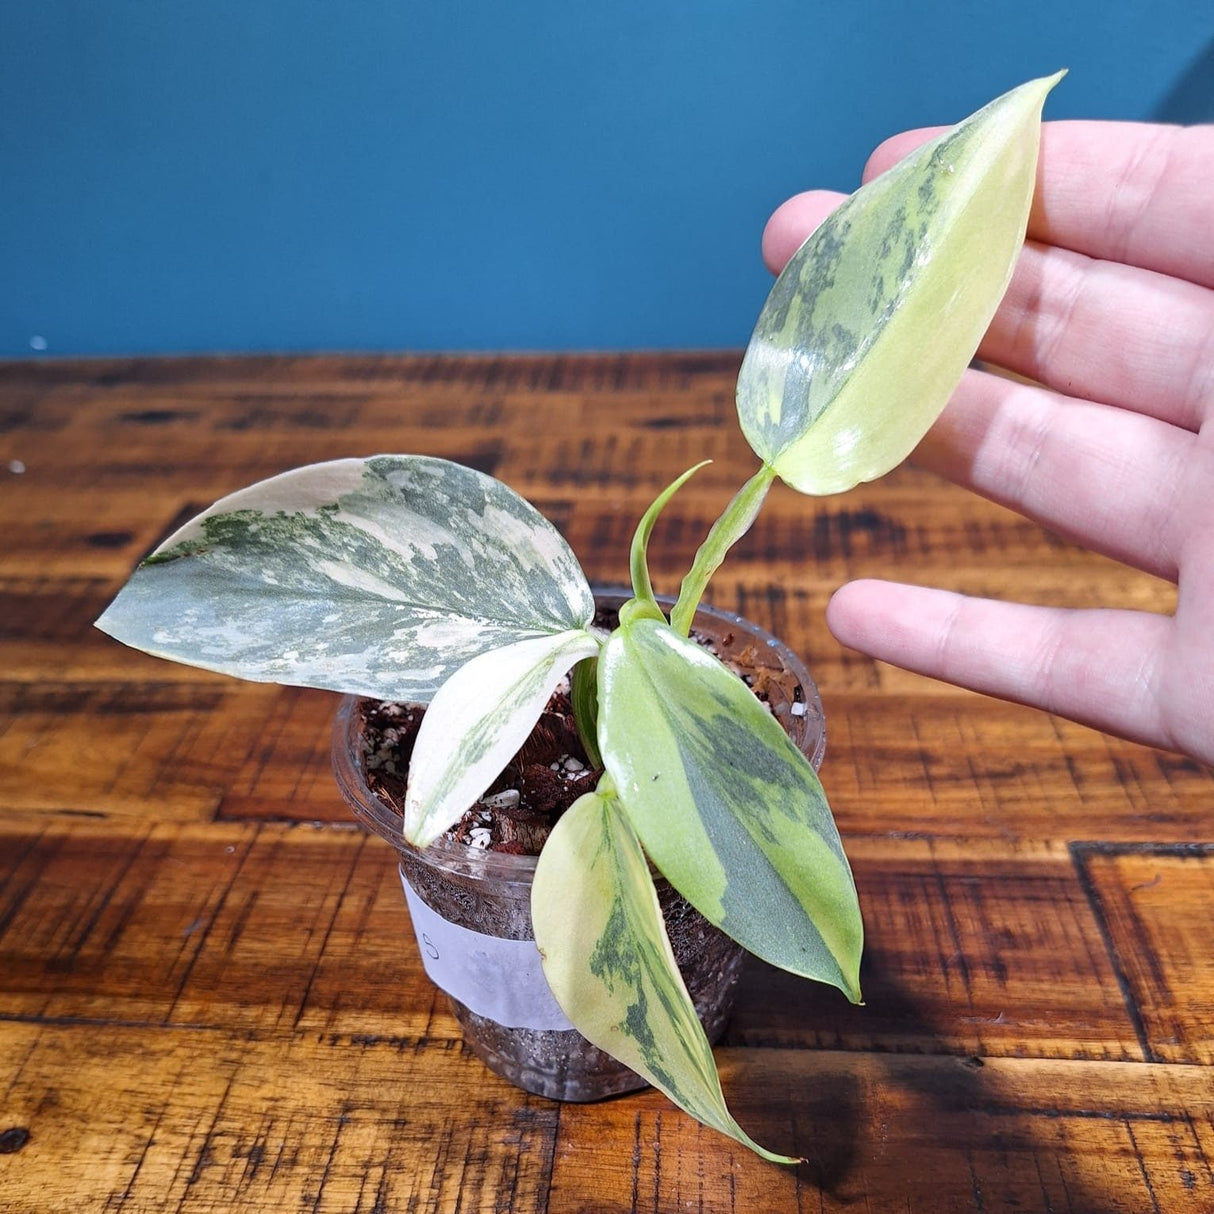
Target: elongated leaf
column 642, row 587
column 609, row 963
column 733, row 524
column 726, row 806
column 481, row 715
column 378, row 577
column 867, row 331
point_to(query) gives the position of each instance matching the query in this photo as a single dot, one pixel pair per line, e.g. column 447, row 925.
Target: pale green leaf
column 480, row 717
column 378, row 577
column 871, row 324
column 609, row 963
column 727, row 807
column 642, row 587
column 734, row 523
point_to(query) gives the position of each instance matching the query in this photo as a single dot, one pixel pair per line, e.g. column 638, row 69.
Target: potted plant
column 472, row 909
column 410, row 579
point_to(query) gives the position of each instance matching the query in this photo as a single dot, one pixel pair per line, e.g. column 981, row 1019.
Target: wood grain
column 209, row 997
column 890, row 1132
column 1157, row 907
column 971, row 947
column 209, row 1121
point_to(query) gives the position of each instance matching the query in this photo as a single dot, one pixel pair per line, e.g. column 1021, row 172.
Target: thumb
column 792, row 222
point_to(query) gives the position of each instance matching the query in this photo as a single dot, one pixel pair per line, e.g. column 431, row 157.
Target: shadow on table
column 888, row 1112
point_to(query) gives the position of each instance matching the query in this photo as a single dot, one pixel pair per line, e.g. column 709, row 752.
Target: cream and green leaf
column 727, row 807
column 378, row 577
column 610, row 965
column 871, row 324
column 480, row 717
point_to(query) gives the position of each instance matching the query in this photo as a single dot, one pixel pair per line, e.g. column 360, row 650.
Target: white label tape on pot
column 499, row 979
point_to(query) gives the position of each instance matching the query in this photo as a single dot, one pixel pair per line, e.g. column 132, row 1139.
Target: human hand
column 1111, row 311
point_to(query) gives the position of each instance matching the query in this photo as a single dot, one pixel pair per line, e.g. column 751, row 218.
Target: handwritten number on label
column 428, row 945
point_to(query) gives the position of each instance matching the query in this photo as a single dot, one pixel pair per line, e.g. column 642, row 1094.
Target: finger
column 1108, row 332
column 1097, row 667
column 1136, row 193
column 1187, row 676
column 898, row 147
column 792, row 222
column 1106, row 478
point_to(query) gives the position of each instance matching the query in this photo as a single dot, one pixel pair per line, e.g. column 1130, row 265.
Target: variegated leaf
column 727, row 807
column 609, row 963
column 480, row 717
column 378, row 577
column 871, row 324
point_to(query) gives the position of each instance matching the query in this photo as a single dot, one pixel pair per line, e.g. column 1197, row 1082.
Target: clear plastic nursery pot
column 471, row 909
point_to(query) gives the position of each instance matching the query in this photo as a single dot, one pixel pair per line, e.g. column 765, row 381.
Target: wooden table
column 209, row 996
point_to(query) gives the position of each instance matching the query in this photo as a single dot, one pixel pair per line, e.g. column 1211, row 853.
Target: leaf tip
column 793, row 1161
column 851, row 986
column 1049, row 83
column 1039, row 88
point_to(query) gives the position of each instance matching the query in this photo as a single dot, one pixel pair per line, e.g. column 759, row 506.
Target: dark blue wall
column 289, row 175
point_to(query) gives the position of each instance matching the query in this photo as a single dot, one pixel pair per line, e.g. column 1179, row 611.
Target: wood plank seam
column 205, row 932
column 328, row 931
column 329, row 1074
column 1081, row 851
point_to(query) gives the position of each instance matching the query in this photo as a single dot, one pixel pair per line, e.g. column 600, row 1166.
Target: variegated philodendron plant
column 407, row 578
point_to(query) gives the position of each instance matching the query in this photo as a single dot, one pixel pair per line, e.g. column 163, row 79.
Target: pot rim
column 452, row 857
